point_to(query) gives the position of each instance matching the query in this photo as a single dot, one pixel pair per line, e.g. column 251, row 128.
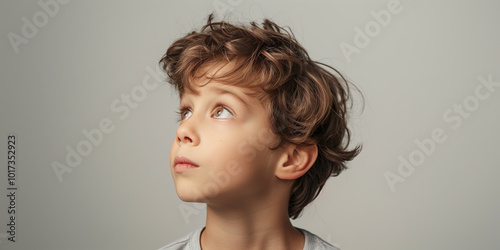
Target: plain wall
column 423, row 74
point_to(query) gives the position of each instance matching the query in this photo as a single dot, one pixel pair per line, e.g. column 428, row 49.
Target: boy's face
column 227, row 134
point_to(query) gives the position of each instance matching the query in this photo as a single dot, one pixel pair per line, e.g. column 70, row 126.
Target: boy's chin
column 194, row 194
column 188, row 199
column 187, row 195
column 190, row 194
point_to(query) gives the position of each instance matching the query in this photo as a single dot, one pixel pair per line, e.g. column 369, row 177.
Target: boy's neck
column 250, row 227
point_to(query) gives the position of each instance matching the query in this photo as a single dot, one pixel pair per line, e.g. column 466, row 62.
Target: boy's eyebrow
column 225, row 91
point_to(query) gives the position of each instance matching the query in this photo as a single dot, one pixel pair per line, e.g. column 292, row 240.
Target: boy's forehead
column 220, row 77
column 218, row 88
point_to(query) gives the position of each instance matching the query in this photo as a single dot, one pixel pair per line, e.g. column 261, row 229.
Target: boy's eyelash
column 180, row 112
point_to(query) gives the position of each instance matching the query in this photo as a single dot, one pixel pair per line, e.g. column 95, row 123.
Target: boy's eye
column 222, row 113
column 219, row 113
column 184, row 113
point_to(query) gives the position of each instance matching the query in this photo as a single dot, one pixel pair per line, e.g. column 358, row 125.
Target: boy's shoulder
column 191, row 242
column 314, row 242
column 188, row 242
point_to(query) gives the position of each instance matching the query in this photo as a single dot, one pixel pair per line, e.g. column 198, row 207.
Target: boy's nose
column 187, row 134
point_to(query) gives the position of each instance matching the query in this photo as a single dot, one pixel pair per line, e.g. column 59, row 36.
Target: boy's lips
column 182, row 164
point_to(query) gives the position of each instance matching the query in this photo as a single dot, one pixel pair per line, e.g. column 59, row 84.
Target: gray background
column 121, row 196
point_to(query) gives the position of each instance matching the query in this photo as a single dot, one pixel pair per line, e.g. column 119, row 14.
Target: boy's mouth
column 182, row 164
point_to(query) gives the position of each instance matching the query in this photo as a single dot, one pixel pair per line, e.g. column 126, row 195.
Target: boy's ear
column 296, row 161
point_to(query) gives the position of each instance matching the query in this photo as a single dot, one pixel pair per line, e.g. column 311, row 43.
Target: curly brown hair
column 307, row 103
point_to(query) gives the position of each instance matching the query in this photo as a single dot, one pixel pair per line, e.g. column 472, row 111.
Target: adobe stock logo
column 455, row 117
column 95, row 136
column 372, row 29
column 40, row 19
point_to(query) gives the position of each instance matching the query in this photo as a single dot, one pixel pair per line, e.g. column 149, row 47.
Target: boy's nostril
column 184, row 139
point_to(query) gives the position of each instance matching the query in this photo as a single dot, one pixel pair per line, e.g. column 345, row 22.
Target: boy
column 262, row 127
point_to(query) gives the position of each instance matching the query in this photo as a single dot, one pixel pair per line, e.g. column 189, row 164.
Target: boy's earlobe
column 296, row 161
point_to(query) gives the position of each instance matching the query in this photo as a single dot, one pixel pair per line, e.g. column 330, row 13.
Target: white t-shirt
column 192, row 242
